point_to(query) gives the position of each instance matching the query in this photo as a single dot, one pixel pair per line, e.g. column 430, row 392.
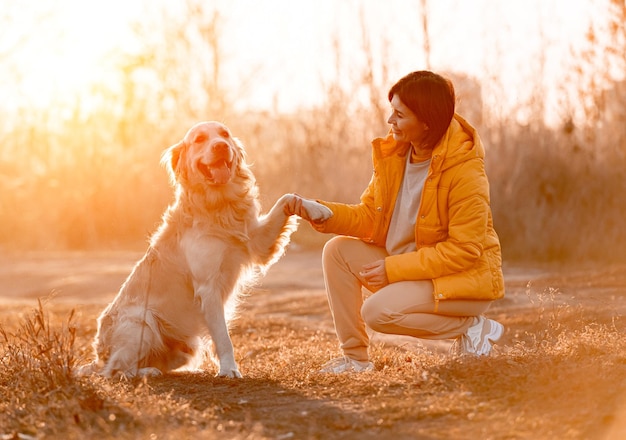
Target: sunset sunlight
column 58, row 50
column 171, row 167
column 284, row 52
column 89, row 88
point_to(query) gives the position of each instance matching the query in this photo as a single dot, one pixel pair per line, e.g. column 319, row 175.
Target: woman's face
column 405, row 126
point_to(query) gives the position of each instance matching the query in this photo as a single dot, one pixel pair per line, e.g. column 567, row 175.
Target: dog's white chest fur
column 208, row 254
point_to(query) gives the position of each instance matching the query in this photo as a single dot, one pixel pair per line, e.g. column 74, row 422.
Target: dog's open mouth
column 218, row 172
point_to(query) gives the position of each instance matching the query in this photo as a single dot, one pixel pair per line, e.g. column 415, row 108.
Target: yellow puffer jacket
column 457, row 246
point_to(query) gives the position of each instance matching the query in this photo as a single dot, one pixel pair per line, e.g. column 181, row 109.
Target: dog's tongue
column 220, row 173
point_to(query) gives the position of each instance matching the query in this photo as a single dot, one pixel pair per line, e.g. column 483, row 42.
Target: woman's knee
column 373, row 314
column 342, row 250
column 331, row 248
column 337, row 246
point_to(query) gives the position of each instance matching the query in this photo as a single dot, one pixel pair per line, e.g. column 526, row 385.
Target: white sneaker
column 346, row 365
column 478, row 338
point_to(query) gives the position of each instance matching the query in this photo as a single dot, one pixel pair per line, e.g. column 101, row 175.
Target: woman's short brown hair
column 431, row 98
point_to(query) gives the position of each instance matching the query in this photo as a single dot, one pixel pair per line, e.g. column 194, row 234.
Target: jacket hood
column 459, row 144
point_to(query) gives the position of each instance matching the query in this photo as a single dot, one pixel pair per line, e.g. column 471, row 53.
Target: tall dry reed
column 72, row 176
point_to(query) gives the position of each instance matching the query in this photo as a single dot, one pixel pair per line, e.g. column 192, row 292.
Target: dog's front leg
column 212, row 287
column 213, row 311
column 270, row 236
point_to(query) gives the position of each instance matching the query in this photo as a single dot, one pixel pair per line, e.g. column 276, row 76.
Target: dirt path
column 94, row 277
column 88, row 278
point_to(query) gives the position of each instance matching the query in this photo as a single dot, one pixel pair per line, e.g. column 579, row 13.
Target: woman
column 422, row 236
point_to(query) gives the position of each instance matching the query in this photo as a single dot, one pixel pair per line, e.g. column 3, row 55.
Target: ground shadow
column 272, row 409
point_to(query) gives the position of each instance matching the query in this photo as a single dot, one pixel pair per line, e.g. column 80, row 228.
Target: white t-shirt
column 401, row 235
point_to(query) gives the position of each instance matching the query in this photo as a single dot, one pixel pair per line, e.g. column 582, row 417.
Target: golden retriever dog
column 212, row 244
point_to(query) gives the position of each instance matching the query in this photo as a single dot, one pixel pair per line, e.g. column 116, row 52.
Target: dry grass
column 558, row 374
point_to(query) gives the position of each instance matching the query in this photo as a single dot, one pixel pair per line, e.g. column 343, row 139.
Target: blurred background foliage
column 84, row 173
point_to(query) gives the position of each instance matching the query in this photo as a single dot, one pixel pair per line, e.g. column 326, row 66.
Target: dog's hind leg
column 136, row 340
column 123, row 362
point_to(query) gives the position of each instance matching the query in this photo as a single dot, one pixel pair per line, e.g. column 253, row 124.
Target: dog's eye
column 200, row 138
column 224, row 134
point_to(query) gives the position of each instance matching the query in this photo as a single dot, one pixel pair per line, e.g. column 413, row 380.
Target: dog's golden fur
column 211, row 245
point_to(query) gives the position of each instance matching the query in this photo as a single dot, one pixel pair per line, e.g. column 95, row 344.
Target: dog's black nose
column 220, row 147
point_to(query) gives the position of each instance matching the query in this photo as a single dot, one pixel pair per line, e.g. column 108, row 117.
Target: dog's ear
column 171, row 158
column 241, row 152
column 243, row 167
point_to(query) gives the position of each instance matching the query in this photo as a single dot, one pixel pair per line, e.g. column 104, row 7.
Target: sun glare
column 59, row 49
column 54, row 52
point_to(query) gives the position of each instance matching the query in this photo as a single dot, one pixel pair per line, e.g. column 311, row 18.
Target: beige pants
column 402, row 308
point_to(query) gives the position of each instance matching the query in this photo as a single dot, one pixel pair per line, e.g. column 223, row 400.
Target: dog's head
column 207, row 155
